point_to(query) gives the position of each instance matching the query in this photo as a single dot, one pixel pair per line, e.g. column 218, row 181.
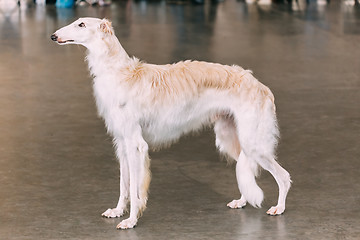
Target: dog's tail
column 258, row 134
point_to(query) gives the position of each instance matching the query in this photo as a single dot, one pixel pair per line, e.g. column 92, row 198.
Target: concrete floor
column 58, row 172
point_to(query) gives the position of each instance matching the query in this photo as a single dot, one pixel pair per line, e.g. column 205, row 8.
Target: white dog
column 146, row 105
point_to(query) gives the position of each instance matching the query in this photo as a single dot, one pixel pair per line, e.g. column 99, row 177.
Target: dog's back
column 188, row 78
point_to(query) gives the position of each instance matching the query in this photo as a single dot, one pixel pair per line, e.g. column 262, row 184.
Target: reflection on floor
column 57, row 168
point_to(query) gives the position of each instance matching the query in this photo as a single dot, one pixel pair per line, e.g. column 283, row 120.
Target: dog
column 147, row 106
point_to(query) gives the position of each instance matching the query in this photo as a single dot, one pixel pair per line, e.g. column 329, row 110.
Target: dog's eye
column 81, row 24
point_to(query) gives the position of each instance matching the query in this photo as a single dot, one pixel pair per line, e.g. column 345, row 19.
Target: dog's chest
column 109, row 97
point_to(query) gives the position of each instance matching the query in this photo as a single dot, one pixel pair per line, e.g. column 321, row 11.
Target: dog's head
column 83, row 31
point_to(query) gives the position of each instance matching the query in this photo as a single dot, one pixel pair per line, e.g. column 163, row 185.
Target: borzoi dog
column 148, row 106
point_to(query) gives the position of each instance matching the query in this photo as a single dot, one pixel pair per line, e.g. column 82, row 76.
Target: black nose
column 54, row 37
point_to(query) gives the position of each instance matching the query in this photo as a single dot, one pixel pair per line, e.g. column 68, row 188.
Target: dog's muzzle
column 54, row 37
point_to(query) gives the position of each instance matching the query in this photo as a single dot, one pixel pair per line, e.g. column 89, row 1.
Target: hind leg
column 245, row 174
column 226, row 138
column 227, row 142
column 282, row 178
column 237, row 203
column 266, row 159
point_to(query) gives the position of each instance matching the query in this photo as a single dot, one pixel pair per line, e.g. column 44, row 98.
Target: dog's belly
column 167, row 123
column 162, row 132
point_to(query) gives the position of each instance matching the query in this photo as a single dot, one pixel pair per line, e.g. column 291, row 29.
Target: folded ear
column 106, row 27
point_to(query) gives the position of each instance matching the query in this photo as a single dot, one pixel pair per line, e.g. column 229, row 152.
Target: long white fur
column 147, row 105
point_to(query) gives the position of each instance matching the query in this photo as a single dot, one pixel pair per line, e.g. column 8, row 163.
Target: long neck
column 106, row 55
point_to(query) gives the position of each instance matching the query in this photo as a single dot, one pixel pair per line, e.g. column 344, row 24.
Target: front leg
column 139, row 164
column 121, row 207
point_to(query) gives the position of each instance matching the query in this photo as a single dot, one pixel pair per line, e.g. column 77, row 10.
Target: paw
column 127, row 223
column 277, row 210
column 237, row 203
column 113, row 213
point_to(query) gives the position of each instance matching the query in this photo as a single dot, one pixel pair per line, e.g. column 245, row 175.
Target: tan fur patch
column 192, row 77
column 106, row 27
